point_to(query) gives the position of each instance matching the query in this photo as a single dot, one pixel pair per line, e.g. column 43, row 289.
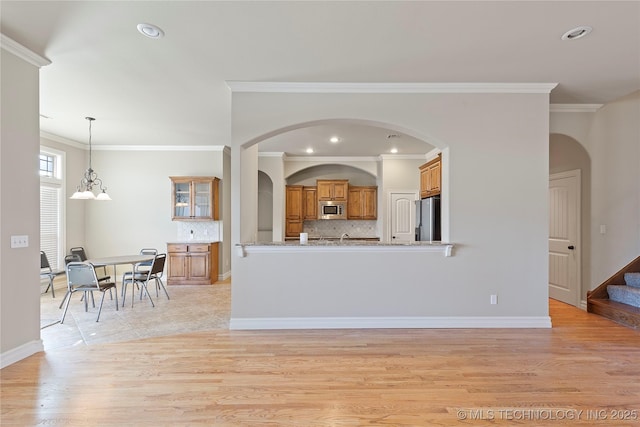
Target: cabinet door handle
column 571, row 247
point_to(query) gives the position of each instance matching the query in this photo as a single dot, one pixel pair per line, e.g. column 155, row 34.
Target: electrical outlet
column 494, row 299
column 20, row 241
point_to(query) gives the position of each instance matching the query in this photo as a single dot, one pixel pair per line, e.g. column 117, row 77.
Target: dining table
column 121, row 260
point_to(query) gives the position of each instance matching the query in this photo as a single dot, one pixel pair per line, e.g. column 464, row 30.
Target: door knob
column 571, row 247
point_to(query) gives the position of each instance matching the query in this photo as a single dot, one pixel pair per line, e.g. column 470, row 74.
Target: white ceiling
column 172, row 91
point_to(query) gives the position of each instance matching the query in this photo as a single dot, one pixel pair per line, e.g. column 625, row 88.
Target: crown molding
column 63, row 140
column 75, row 144
column 433, row 154
column 574, row 108
column 401, row 157
column 331, row 159
column 220, row 148
column 22, row 52
column 279, row 154
column 336, row 87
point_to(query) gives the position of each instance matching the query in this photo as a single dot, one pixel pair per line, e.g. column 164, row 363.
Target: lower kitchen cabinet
column 192, row 263
column 294, row 228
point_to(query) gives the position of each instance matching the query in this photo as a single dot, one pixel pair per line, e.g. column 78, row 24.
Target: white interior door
column 564, row 244
column 403, row 217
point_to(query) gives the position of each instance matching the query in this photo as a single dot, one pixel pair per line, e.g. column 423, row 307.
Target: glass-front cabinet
column 194, row 198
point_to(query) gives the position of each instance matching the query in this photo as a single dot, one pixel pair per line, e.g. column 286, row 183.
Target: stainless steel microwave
column 332, row 210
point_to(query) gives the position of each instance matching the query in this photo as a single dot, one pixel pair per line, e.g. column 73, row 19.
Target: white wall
column 19, row 209
column 296, row 164
column 225, row 265
column 138, row 182
column 611, row 137
column 139, row 216
column 614, row 145
column 329, row 170
column 273, row 167
column 498, row 183
column 265, row 207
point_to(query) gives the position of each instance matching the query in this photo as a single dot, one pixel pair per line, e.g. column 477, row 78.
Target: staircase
column 618, row 298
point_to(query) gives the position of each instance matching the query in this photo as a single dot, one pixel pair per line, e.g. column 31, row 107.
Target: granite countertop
column 345, row 242
column 347, row 245
column 370, row 238
column 194, row 241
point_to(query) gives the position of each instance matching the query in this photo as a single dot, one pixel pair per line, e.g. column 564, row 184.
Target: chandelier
column 90, row 179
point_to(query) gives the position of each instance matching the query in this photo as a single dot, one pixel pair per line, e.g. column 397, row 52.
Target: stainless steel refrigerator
column 428, row 219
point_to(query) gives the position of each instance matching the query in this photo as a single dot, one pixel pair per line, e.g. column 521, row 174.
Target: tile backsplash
column 335, row 228
column 202, row 230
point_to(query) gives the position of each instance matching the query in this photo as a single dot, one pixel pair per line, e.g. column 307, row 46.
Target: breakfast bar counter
column 347, row 245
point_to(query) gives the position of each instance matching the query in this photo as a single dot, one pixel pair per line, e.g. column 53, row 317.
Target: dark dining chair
column 157, row 275
column 81, row 277
column 46, row 272
column 143, row 278
column 142, row 267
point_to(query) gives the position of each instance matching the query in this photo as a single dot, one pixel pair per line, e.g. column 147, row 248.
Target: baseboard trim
column 22, row 352
column 388, row 322
column 225, row 275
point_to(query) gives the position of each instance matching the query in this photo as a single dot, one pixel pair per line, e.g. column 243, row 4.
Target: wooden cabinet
column 430, row 178
column 194, row 198
column 294, row 210
column 192, row 263
column 333, row 189
column 309, row 203
column 363, row 203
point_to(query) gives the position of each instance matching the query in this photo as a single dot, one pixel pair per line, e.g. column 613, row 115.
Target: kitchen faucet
column 343, row 236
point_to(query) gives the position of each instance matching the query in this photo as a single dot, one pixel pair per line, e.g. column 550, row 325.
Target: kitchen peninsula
column 347, row 245
column 333, row 284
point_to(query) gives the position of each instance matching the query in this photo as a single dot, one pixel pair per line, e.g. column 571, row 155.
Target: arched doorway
column 265, row 207
column 566, row 154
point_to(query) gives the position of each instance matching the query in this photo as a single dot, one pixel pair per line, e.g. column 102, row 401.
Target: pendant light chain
column 91, row 119
column 90, row 179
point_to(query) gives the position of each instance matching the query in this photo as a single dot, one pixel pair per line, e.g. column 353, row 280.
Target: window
column 47, row 163
column 51, row 206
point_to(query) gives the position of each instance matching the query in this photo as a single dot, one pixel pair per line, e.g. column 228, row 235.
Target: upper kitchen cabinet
column 363, row 203
column 333, row 189
column 430, row 177
column 294, row 210
column 310, row 203
column 194, row 198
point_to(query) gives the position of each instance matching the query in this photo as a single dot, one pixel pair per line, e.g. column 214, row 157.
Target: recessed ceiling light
column 394, row 150
column 151, row 31
column 576, row 33
column 334, row 139
column 309, row 150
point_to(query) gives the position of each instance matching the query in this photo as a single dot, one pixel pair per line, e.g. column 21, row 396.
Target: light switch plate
column 20, row 241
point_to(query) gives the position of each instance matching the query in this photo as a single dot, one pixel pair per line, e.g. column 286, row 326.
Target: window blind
column 50, row 224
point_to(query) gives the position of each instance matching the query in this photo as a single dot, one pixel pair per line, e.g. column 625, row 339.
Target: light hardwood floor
column 583, row 371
